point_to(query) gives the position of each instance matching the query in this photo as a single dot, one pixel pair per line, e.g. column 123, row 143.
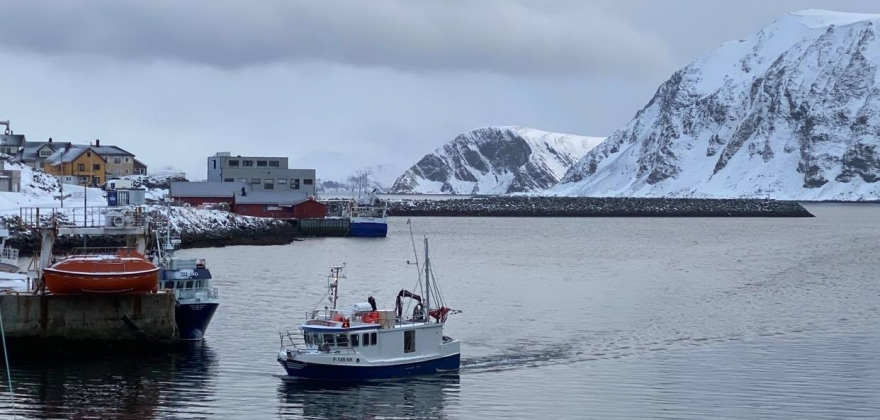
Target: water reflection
column 123, row 383
column 408, row 398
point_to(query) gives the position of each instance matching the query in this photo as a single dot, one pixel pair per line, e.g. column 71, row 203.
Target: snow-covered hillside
column 496, row 160
column 39, row 189
column 792, row 112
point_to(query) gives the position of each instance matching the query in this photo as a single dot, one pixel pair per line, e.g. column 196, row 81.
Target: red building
column 278, row 205
column 198, row 193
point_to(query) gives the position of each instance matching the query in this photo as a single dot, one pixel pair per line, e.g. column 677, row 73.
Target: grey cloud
column 499, row 36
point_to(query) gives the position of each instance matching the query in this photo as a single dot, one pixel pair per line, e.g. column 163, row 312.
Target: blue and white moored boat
column 362, row 342
column 368, row 218
column 190, row 280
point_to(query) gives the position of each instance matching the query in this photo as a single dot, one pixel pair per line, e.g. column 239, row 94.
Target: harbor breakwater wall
column 596, row 207
column 272, row 232
column 137, row 318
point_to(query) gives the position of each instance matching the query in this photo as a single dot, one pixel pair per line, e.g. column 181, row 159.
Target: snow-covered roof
column 280, row 197
column 183, row 189
column 31, row 149
column 70, row 154
column 12, row 139
column 111, row 151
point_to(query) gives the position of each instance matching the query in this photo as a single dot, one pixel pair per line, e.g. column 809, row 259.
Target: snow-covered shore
column 197, row 227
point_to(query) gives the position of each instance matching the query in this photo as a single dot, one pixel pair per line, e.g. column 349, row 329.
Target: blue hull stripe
column 368, row 230
column 323, row 372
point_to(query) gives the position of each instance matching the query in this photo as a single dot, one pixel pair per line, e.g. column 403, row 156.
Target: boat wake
column 526, row 356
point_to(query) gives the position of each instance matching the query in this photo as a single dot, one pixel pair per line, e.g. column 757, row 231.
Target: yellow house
column 77, row 165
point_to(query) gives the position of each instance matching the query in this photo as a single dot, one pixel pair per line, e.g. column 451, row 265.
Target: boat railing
column 80, row 217
column 204, row 293
column 295, row 341
column 101, row 250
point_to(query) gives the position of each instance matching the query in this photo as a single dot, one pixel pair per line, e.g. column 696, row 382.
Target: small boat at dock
column 368, row 218
column 124, row 272
column 364, row 343
column 190, row 281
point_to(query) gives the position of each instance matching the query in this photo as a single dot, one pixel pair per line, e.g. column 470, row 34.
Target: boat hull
column 193, row 319
column 66, row 283
column 368, row 229
column 326, row 372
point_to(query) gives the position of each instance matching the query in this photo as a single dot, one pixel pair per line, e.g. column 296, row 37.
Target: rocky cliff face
column 495, row 160
column 792, row 112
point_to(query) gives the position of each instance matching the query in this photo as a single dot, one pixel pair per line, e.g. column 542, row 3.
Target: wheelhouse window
column 409, row 341
column 366, row 339
column 328, row 339
column 341, row 340
column 307, row 338
column 354, row 338
column 189, row 284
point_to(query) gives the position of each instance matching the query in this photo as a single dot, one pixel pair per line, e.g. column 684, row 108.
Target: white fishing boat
column 362, row 342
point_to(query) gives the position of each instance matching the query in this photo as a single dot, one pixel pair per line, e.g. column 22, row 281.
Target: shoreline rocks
column 596, row 207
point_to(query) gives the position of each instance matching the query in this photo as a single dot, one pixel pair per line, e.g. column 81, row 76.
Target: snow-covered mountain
column 792, row 112
column 375, row 177
column 496, row 160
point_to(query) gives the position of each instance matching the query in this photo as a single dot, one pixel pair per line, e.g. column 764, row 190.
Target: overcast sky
column 379, row 81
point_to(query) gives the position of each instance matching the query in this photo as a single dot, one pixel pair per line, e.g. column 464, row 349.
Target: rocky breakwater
column 198, row 228
column 597, row 207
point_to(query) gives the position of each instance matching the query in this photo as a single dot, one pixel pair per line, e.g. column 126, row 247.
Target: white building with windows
column 261, row 173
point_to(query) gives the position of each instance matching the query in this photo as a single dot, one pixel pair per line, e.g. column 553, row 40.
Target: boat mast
column 334, row 291
column 427, row 283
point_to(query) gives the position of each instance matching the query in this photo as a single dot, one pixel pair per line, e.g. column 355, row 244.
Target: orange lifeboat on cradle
column 127, row 272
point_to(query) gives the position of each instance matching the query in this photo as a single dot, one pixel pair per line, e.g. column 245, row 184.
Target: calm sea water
column 562, row 318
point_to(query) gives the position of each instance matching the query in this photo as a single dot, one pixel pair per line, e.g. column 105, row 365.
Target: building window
column 126, row 171
column 81, row 167
column 228, row 179
column 274, row 163
column 308, row 181
column 282, row 182
column 255, row 181
column 127, row 160
column 247, row 163
column 45, row 152
column 261, row 163
column 233, row 163
column 242, row 180
column 96, row 167
column 269, row 184
column 117, row 160
column 409, row 341
column 294, row 184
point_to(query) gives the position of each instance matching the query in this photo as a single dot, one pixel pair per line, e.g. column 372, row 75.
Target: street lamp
column 63, row 151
